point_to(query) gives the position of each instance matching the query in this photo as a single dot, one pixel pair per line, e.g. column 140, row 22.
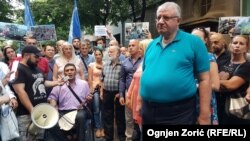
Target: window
column 205, row 6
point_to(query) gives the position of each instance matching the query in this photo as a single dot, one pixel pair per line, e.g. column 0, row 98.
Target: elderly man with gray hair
column 110, row 78
column 171, row 63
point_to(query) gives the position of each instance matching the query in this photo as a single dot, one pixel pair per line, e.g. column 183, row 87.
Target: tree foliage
column 57, row 12
column 119, row 11
column 6, row 12
column 91, row 13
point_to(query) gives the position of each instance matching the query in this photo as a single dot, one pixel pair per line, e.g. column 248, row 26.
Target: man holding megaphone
column 71, row 99
column 29, row 85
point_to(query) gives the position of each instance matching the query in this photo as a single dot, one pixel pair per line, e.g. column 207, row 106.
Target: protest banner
column 234, row 25
column 100, row 30
column 11, row 31
column 43, row 32
column 137, row 30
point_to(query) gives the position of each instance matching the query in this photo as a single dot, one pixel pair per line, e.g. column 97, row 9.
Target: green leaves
column 6, row 12
column 91, row 13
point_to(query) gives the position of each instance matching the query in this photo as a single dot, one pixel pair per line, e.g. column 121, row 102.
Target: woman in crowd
column 214, row 74
column 6, row 95
column 9, row 55
column 234, row 79
column 94, row 71
column 58, row 48
column 67, row 55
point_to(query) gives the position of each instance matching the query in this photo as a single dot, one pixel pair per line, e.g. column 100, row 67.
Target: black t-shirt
column 234, row 70
column 240, row 70
column 34, row 86
column 223, row 59
column 244, row 72
column 221, row 97
column 229, row 68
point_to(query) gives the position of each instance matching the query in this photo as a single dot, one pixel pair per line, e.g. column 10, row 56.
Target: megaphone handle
column 31, row 125
column 28, row 129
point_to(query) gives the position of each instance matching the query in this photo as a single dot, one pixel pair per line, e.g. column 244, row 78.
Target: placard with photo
column 11, row 31
column 138, row 30
column 234, row 25
column 43, row 32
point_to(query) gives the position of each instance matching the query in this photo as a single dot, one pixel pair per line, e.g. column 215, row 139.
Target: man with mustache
column 63, row 98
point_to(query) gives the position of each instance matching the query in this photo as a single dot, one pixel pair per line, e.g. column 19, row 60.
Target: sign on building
column 43, row 32
column 10, row 31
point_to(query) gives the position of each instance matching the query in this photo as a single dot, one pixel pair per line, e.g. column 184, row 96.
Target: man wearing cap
column 43, row 63
column 29, row 86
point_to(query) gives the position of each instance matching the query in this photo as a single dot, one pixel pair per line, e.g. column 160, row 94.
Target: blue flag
column 28, row 18
column 75, row 28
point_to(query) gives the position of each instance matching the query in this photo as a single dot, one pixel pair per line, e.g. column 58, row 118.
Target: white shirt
column 4, row 69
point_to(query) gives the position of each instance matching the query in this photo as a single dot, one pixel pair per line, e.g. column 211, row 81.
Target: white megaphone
column 43, row 116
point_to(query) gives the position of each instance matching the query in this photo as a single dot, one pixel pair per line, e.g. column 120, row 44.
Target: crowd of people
column 178, row 78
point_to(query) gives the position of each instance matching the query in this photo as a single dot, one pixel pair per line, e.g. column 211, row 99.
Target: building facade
column 198, row 13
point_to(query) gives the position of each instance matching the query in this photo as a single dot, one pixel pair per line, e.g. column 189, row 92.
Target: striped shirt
column 111, row 76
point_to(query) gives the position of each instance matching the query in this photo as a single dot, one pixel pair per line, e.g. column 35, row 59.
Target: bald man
column 219, row 47
column 129, row 65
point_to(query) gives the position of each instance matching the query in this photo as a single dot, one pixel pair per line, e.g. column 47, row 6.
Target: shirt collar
column 72, row 83
column 118, row 63
column 51, row 61
column 177, row 37
column 84, row 57
column 130, row 59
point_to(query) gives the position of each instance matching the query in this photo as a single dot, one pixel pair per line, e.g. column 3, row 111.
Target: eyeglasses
column 165, row 18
